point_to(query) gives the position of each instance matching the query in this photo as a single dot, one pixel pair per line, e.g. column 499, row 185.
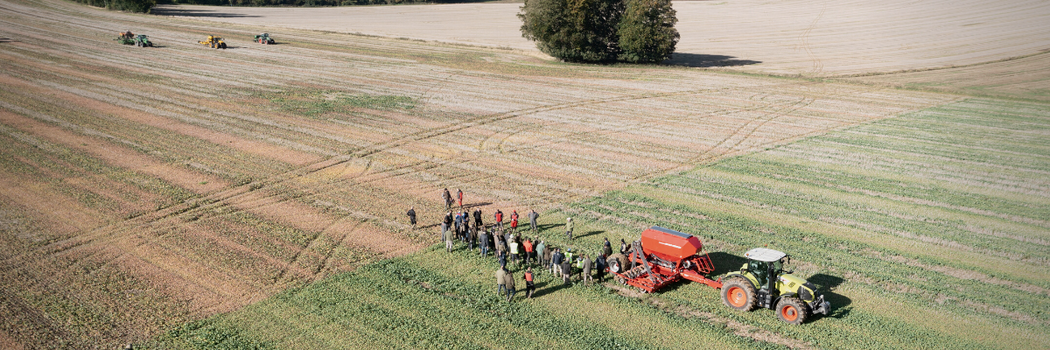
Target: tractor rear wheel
column 791, row 310
column 738, row 294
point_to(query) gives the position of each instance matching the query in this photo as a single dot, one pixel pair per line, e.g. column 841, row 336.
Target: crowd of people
column 510, row 247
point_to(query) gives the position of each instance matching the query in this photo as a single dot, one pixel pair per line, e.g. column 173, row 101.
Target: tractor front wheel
column 791, row 310
column 223, row 46
column 738, row 294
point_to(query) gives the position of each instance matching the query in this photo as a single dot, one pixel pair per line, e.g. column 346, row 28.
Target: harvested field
column 145, row 188
column 796, row 37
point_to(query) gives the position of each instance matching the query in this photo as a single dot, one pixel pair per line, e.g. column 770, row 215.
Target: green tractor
column 264, row 39
column 143, row 41
column 762, row 282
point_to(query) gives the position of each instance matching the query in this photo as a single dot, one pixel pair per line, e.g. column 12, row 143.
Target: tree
column 590, row 30
column 647, row 31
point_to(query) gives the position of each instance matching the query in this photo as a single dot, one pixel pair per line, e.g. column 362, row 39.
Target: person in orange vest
column 530, row 287
column 459, row 197
column 530, row 253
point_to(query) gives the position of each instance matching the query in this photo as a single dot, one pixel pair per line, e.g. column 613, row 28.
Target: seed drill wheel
column 616, row 263
column 738, row 294
column 791, row 310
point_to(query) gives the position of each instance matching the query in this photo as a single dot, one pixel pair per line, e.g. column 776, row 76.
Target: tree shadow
column 175, row 11
column 704, row 61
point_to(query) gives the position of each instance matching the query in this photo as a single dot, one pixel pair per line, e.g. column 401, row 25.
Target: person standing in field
column 466, row 226
column 446, row 225
column 459, row 197
column 448, row 199
column 449, row 238
column 530, row 287
column 498, row 215
column 606, row 247
column 538, row 252
column 473, row 238
column 545, row 250
column 566, row 271
column 483, row 242
column 623, row 246
column 477, row 218
column 514, row 220
column 568, row 228
column 458, row 225
column 529, row 251
column 513, row 245
column 501, row 280
column 586, row 270
column 556, row 260
column 532, row 220
column 509, row 281
column 412, row 216
column 600, row 265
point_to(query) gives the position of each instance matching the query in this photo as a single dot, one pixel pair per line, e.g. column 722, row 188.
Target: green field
column 928, row 230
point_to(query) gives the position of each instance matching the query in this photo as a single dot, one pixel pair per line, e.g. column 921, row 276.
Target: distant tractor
column 264, row 39
column 762, row 282
column 143, row 41
column 214, row 42
column 663, row 256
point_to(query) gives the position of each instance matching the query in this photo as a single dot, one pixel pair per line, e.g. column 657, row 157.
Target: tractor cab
column 764, row 264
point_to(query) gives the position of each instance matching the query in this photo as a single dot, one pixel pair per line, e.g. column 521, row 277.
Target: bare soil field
column 803, row 37
column 146, row 187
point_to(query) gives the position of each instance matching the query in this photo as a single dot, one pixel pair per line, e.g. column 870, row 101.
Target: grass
column 899, row 254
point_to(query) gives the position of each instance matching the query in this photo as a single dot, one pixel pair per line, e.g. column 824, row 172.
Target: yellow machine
column 214, row 42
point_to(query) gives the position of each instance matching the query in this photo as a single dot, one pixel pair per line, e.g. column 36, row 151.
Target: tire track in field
column 125, row 227
column 803, row 42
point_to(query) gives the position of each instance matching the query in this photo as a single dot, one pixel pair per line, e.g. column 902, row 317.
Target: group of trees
column 599, row 31
column 122, row 5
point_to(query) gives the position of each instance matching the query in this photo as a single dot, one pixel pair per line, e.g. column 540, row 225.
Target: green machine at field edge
column 264, row 39
column 762, row 282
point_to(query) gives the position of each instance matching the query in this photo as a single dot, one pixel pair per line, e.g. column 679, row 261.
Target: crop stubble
column 259, row 195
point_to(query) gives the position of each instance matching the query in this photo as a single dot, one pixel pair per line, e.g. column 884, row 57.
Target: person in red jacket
column 514, row 220
column 459, row 197
column 499, row 218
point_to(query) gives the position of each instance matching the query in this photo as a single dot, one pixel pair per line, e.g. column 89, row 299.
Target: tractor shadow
column 706, row 61
column 725, row 263
column 840, row 304
column 163, row 10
